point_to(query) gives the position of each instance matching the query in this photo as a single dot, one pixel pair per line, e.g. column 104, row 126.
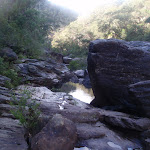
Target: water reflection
column 78, row 91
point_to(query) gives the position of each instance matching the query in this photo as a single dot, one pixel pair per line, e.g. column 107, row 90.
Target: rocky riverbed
column 86, row 126
column 119, row 74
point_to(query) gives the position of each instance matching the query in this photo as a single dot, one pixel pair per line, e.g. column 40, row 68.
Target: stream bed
column 78, row 91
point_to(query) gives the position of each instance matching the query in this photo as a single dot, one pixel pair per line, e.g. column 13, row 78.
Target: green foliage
column 77, row 64
column 26, row 24
column 7, row 70
column 128, row 20
column 26, row 110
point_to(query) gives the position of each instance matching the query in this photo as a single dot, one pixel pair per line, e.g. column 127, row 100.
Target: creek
column 78, row 91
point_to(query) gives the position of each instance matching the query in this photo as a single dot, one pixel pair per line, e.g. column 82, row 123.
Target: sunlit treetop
column 83, row 7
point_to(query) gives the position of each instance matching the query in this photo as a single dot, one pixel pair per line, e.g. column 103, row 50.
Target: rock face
column 113, row 65
column 8, row 54
column 58, row 134
column 90, row 122
column 11, row 133
column 3, row 80
column 47, row 73
column 141, row 92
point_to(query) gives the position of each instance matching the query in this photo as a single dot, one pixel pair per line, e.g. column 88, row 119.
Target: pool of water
column 78, row 91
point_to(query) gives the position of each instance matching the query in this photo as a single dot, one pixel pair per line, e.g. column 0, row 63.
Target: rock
column 86, row 82
column 113, row 65
column 8, row 54
column 67, row 60
column 58, row 134
column 146, row 139
column 79, row 73
column 90, row 122
column 99, row 137
column 74, row 79
column 86, row 131
column 140, row 93
column 125, row 121
column 58, row 57
column 12, row 135
column 3, row 80
column 46, row 73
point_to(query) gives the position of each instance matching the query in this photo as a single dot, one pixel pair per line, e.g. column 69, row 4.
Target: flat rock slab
column 12, row 135
column 91, row 132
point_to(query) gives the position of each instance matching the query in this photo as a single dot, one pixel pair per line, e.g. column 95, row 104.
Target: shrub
column 7, row 70
column 26, row 110
column 77, row 64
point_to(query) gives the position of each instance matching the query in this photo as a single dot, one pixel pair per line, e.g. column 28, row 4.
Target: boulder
column 140, row 92
column 58, row 134
column 46, row 73
column 57, row 56
column 4, row 80
column 8, row 54
column 67, row 59
column 79, row 73
column 113, row 65
column 12, row 135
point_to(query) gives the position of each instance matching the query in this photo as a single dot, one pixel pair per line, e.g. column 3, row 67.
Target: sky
column 82, row 7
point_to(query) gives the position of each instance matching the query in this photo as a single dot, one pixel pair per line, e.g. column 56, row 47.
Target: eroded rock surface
column 11, row 133
column 58, row 134
column 46, row 73
column 113, row 65
column 141, row 93
column 93, row 128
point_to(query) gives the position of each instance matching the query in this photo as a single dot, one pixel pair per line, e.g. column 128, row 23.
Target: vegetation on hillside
column 26, row 24
column 128, row 21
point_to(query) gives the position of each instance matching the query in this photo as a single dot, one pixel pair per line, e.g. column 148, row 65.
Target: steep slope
column 128, row 20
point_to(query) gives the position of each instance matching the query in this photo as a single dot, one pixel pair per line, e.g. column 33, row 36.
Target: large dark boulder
column 113, row 65
column 59, row 134
column 43, row 72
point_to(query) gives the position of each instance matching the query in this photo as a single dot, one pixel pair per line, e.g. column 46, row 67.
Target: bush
column 7, row 70
column 26, row 110
column 77, row 64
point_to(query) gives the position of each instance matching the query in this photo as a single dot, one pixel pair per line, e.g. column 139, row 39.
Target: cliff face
column 115, row 64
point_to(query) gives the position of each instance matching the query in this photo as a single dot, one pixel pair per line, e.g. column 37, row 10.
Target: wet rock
column 8, row 54
column 139, row 92
column 46, row 73
column 59, row 133
column 3, row 80
column 113, row 65
column 67, row 60
column 12, row 135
